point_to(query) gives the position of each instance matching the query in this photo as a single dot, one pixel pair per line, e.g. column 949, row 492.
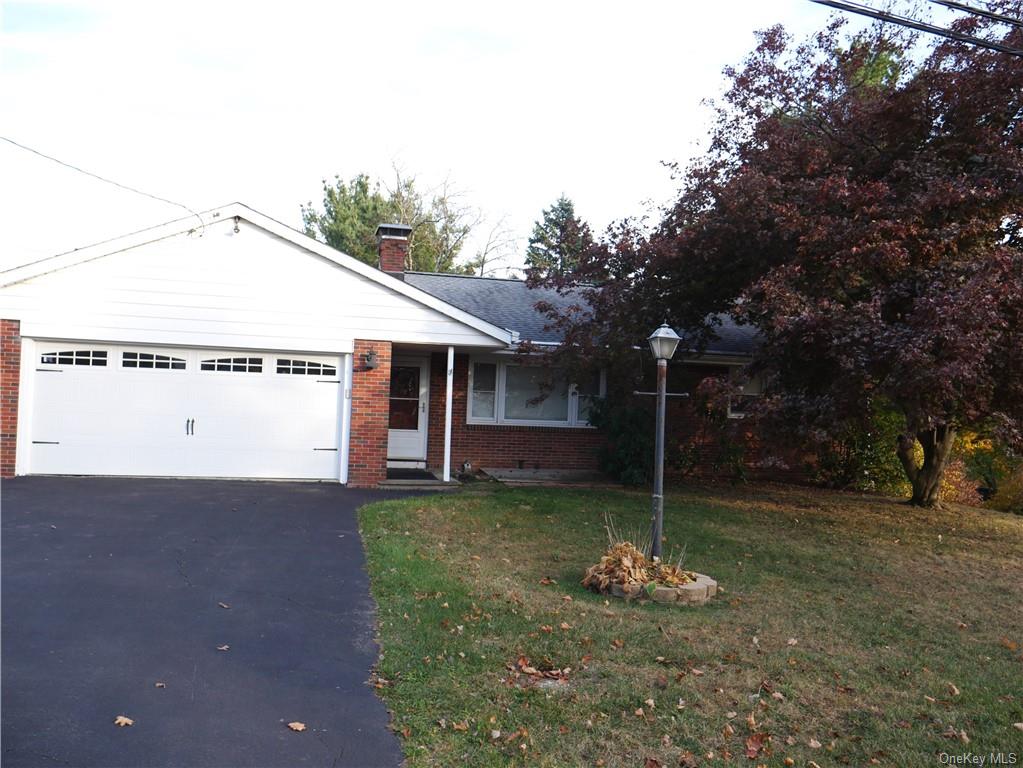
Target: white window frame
column 751, row 388
column 499, row 418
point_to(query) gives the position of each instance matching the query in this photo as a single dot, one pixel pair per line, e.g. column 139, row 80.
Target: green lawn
column 844, row 624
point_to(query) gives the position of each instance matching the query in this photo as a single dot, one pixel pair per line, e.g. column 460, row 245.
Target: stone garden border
column 694, row 593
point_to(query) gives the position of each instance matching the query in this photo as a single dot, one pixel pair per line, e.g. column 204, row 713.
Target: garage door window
column 75, row 357
column 305, row 367
column 233, row 364
column 147, row 360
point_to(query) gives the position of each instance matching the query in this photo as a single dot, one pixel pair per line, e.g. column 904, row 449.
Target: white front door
column 101, row 409
column 407, row 410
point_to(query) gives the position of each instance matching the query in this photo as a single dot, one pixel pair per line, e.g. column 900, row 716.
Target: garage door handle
column 191, row 426
column 186, row 427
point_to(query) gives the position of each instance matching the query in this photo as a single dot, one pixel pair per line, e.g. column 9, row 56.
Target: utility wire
column 1001, row 18
column 904, row 21
column 108, row 181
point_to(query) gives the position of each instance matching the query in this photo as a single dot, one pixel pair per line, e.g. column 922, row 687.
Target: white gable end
column 214, row 287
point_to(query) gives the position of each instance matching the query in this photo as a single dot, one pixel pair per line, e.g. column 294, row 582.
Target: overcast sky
column 211, row 102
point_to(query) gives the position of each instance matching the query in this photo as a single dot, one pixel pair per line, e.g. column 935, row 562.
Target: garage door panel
column 236, row 420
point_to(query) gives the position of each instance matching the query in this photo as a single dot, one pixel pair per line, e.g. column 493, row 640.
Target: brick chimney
column 392, row 240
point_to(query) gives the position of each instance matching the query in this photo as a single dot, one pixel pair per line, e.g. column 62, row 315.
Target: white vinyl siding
column 250, row 290
column 508, row 393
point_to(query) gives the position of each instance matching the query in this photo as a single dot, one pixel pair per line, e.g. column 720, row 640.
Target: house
column 229, row 345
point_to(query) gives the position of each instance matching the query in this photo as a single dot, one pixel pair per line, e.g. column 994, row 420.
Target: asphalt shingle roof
column 511, row 304
column 505, row 303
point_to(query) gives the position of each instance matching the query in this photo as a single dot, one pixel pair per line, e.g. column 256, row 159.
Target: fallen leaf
column 650, row 703
column 812, row 764
column 731, row 715
column 962, row 625
column 651, row 762
column 159, row 685
column 224, row 605
column 687, row 760
column 666, row 741
column 495, row 734
column 953, row 689
column 474, row 557
column 296, row 726
column 462, row 726
column 751, row 721
column 778, row 696
column 546, row 628
column 121, row 721
column 791, row 641
column 223, row 647
column 697, row 672
column 567, row 599
column 406, row 732
column 639, row 712
column 617, row 643
column 814, row 744
column 547, row 581
column 754, row 744
column 727, row 731
column 566, row 626
column 789, row 762
column 1018, row 726
column 929, row 699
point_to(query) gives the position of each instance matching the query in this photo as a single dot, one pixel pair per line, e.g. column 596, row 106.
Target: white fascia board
column 194, row 225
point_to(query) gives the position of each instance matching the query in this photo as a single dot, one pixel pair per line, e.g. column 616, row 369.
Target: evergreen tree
column 558, row 241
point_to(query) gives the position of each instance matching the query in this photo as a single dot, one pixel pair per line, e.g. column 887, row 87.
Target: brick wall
column 392, row 252
column 499, row 445
column 566, row 448
column 10, row 372
column 367, row 463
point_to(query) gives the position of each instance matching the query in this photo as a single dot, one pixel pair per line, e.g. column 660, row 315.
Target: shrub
column 628, row 451
column 1009, row 497
column 864, row 459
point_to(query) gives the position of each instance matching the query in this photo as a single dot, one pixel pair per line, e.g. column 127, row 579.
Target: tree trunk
column 926, row 477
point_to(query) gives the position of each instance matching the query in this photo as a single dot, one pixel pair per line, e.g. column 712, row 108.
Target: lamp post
column 663, row 343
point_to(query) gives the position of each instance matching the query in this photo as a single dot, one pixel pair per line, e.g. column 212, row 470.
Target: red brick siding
column 367, row 463
column 499, row 445
column 567, row 448
column 10, row 373
column 392, row 254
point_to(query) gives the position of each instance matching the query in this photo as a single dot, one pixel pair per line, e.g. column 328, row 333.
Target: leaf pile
column 545, row 670
column 624, row 563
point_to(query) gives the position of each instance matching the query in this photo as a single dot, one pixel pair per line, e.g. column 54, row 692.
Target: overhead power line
column 905, row 21
column 104, row 179
column 1001, row 18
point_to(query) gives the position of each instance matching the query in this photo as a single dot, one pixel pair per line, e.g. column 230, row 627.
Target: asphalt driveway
column 111, row 586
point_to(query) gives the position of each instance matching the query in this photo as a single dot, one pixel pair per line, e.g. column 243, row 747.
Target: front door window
column 404, row 408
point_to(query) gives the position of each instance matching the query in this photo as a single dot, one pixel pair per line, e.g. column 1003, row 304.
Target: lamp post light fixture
column 663, row 343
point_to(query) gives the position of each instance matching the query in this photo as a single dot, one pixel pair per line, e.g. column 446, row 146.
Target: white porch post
column 346, row 415
column 447, row 414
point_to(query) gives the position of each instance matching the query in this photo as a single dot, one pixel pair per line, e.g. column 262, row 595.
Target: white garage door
column 99, row 409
